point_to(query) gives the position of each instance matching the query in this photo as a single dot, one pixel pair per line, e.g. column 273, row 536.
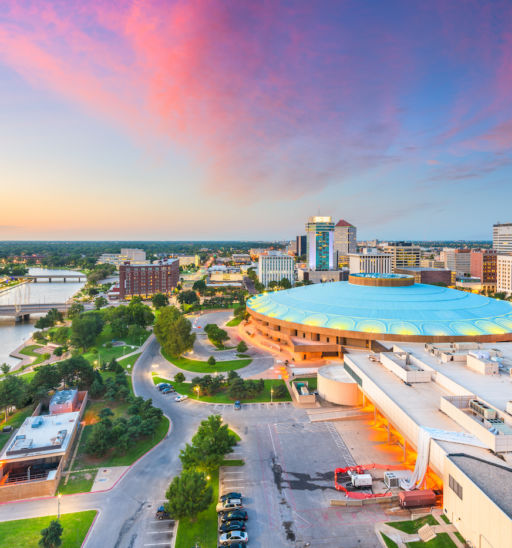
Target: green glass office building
column 320, row 243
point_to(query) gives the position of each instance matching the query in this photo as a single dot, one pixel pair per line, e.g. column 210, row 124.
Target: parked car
column 180, row 397
column 229, row 505
column 237, row 406
column 162, row 385
column 240, row 515
column 168, row 390
column 227, row 539
column 235, row 545
column 162, row 514
column 231, row 495
column 232, row 526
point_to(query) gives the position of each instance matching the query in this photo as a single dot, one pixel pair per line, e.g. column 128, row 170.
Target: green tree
column 179, row 377
column 216, row 335
column 212, row 360
column 200, row 286
column 76, row 371
column 209, row 445
column 140, row 314
column 188, row 494
column 280, row 391
column 188, row 297
column 85, row 328
column 75, row 310
column 119, row 328
column 13, row 391
column 173, row 331
column 47, row 378
column 241, row 347
column 160, row 300
column 51, row 536
column 285, row 283
column 100, row 302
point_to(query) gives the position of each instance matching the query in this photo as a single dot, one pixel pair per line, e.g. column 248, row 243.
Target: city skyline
column 200, row 120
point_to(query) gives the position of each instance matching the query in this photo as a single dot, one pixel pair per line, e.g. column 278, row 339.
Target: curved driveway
column 125, row 509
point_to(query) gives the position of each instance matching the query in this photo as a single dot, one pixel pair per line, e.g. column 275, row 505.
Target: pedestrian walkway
column 402, row 539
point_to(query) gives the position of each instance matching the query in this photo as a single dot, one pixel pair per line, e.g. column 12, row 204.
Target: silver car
column 233, row 536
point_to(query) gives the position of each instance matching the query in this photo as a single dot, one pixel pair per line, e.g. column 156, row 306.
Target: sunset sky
column 235, row 119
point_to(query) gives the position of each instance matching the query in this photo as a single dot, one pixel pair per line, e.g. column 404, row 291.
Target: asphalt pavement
column 125, row 509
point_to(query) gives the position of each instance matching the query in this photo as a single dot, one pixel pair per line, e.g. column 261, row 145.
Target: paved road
column 124, row 510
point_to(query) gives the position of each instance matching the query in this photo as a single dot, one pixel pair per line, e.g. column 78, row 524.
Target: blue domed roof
column 419, row 309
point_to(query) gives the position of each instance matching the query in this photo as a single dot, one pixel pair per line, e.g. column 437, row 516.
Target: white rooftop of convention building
column 494, row 389
column 42, row 435
column 421, row 402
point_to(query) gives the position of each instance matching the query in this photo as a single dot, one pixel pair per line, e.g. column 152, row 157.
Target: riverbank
column 12, row 335
column 5, row 288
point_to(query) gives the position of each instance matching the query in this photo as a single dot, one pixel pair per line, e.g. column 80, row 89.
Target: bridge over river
column 75, row 277
column 21, row 312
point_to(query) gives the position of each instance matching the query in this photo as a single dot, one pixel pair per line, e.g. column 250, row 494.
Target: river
column 11, row 334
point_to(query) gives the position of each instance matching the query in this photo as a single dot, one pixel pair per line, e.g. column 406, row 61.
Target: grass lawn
column 187, row 388
column 460, row 537
column 233, row 462
column 442, row 540
column 388, row 542
column 100, row 352
column 27, row 532
column 444, row 518
column 203, row 530
column 235, row 321
column 130, row 361
column 15, row 420
column 78, row 483
column 198, row 366
column 29, row 351
column 412, row 527
column 312, row 381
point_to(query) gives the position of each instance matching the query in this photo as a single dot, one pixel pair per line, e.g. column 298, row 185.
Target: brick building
column 424, row 275
column 484, row 266
column 146, row 280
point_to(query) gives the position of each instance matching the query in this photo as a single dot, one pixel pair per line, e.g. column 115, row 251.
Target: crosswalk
column 247, row 407
column 340, row 444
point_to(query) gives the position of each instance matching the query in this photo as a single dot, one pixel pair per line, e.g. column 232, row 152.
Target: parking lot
column 288, row 482
column 157, row 533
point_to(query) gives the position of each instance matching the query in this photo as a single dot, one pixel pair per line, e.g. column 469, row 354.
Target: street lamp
column 59, row 496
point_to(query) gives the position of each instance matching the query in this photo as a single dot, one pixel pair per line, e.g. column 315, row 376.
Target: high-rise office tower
column 320, row 243
column 404, row 254
column 345, row 242
column 301, row 245
column 502, row 237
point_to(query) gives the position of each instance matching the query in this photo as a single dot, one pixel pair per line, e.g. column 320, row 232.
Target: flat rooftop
column 42, row 435
column 494, row 389
column 419, row 400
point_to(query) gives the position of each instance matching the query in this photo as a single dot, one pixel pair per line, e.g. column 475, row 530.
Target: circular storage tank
column 335, row 385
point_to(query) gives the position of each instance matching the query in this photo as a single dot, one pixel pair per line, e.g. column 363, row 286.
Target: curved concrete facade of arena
column 367, row 336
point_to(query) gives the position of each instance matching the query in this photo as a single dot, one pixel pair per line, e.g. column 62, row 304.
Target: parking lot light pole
column 59, row 496
column 271, row 394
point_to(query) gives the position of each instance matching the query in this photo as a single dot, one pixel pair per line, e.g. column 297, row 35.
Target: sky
column 235, row 119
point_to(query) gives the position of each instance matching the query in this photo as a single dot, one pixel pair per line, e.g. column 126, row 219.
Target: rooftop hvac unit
column 481, row 409
column 392, row 479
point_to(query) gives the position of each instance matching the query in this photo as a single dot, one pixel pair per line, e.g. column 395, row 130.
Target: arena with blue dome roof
column 317, row 320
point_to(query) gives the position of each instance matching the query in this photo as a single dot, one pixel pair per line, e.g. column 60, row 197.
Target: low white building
column 273, row 267
column 504, row 274
column 370, row 261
